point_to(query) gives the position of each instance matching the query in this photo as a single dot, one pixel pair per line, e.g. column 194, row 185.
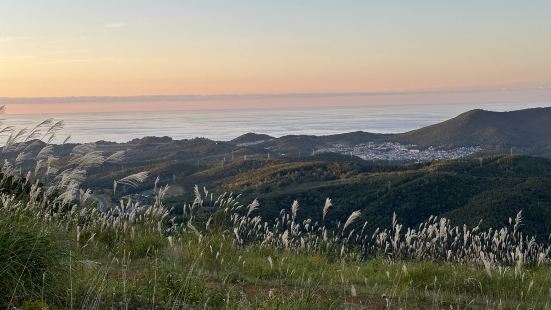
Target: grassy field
column 60, row 250
column 56, row 264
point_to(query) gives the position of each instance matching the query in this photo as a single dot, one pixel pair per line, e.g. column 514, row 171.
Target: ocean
column 226, row 124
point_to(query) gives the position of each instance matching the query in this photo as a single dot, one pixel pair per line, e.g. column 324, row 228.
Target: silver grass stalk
column 326, row 207
column 66, row 139
column 294, row 209
column 518, row 221
column 351, row 219
column 157, row 180
column 135, row 179
column 253, row 206
column 116, row 157
column 45, row 152
column 82, row 149
column 114, row 187
column 84, row 195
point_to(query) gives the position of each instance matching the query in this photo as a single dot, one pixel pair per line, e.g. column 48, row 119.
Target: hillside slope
column 466, row 191
column 530, row 129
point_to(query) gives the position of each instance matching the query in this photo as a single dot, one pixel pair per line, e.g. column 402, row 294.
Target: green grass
column 77, row 262
column 216, row 273
column 32, row 260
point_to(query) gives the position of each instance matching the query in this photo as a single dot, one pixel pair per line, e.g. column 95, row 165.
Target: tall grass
column 31, row 257
column 134, row 255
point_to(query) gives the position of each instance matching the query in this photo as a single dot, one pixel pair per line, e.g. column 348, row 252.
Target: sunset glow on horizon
column 131, row 48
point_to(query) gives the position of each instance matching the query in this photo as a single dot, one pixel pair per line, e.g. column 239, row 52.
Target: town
column 393, row 151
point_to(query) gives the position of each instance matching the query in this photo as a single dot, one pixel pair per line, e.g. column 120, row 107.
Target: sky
column 58, row 48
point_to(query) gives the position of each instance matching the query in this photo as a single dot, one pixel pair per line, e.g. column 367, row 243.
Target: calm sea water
column 220, row 124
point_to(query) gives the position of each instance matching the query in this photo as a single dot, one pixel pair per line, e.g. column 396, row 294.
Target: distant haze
column 519, row 98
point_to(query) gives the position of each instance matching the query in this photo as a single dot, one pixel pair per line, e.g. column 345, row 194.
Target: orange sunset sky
column 132, row 48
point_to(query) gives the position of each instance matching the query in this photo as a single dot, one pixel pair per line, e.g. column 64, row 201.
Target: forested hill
column 491, row 189
column 529, row 129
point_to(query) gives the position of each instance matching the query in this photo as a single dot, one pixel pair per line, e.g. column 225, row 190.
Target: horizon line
column 226, row 96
